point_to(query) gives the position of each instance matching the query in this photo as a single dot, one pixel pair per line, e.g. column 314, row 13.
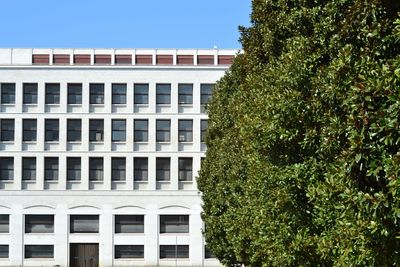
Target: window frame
column 162, row 132
column 52, row 93
column 140, row 172
column 119, row 95
column 5, row 222
column 118, row 169
column 51, row 167
column 29, row 168
column 96, row 129
column 140, row 95
column 96, row 94
column 204, row 94
column 141, row 132
column 7, row 133
column 96, row 169
column 73, row 129
column 95, row 217
column 176, row 253
column 53, row 132
column 161, row 95
column 74, row 170
column 5, row 168
column 185, row 167
column 40, row 220
column 71, row 93
column 185, row 135
column 117, row 130
column 176, row 221
column 161, row 168
column 185, row 98
column 7, row 94
column 30, row 93
column 137, row 220
column 118, row 255
column 29, row 132
column 40, row 256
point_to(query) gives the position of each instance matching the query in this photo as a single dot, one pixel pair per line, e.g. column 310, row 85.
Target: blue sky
column 122, row 23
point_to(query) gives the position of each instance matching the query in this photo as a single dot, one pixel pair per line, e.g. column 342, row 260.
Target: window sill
column 97, row 142
column 39, row 259
column 120, row 105
column 41, row 234
column 7, row 181
column 141, row 142
column 129, row 234
column 52, row 142
column 51, row 181
column 29, row 142
column 74, row 181
column 8, row 104
column 186, row 105
column 141, row 105
column 163, row 105
column 29, row 181
column 164, row 142
column 96, row 181
column 185, row 142
column 186, row 181
column 97, row 105
column 52, row 105
column 30, row 105
column 74, row 105
column 163, row 181
column 7, row 142
column 118, row 142
column 74, row 142
column 140, row 181
column 118, row 181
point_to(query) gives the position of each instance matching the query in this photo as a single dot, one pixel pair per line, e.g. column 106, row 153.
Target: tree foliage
column 303, row 159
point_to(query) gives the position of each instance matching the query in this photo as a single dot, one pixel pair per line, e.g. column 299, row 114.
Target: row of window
column 120, row 251
column 96, row 130
column 96, row 168
column 96, row 93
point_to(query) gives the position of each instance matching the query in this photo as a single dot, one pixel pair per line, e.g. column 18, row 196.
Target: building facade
column 99, row 154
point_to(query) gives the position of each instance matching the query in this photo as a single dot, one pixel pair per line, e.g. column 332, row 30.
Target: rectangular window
column 141, row 93
column 7, row 130
column 4, row 251
column 206, row 92
column 203, row 126
column 163, row 128
column 141, row 130
column 50, row 168
column 185, row 93
column 118, row 169
column 174, row 251
column 74, row 130
column 4, row 223
column 29, row 129
column 6, row 168
column 163, row 169
column 96, row 130
column 28, row 169
column 208, row 253
column 73, row 169
column 39, row 251
column 129, row 251
column 52, row 93
column 39, row 223
column 141, row 169
column 30, row 91
column 185, row 130
column 96, row 93
column 163, row 94
column 96, row 169
column 8, row 93
column 84, row 223
column 118, row 130
column 119, row 93
column 174, row 224
column 129, row 224
column 51, row 130
column 185, row 169
column 74, row 94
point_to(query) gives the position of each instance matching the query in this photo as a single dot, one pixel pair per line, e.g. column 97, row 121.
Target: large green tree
column 303, row 159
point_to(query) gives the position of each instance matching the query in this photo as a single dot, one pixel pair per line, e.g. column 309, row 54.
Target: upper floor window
column 6, row 169
column 96, row 130
column 208, row 253
column 185, row 169
column 119, row 93
column 4, row 223
column 74, row 130
column 140, row 169
column 50, row 168
column 118, row 169
column 28, row 168
column 185, row 130
column 73, row 169
column 163, row 94
column 203, row 126
column 8, row 93
column 52, row 93
column 39, row 223
column 74, row 94
column 163, row 169
column 118, row 130
column 51, row 129
column 141, row 130
column 29, row 129
column 174, row 224
column 7, row 130
column 129, row 224
column 206, row 93
column 163, row 128
column 96, row 169
column 84, row 223
column 185, row 93
column 141, row 93
column 30, row 91
column 96, row 93
column 4, row 251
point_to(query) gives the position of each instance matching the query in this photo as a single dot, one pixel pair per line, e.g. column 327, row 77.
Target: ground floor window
column 129, row 251
column 39, row 251
column 174, row 251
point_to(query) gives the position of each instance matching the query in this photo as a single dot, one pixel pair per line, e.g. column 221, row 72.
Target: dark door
column 84, row 255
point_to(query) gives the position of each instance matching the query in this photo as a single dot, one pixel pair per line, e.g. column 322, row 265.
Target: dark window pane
column 39, row 223
column 29, row 129
column 141, row 94
column 185, row 93
column 96, row 130
column 7, row 129
column 174, row 251
column 118, row 169
column 96, row 93
column 185, row 169
column 174, row 224
column 163, row 94
column 8, row 93
column 118, row 130
column 204, row 126
column 206, row 93
column 84, row 223
column 129, row 224
column 185, row 130
column 4, row 223
column 163, row 133
column 96, row 169
column 52, row 93
column 129, row 251
column 51, row 168
column 163, row 167
column 6, row 168
column 4, row 251
column 74, row 127
column 141, row 130
column 74, row 93
column 51, row 129
column 30, row 91
column 141, row 169
column 39, row 251
column 28, row 169
column 73, row 169
column 119, row 93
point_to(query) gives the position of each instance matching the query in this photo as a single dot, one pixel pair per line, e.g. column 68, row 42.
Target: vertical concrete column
column 85, row 133
column 85, row 172
column 107, row 97
column 107, row 134
column 62, row 172
column 152, row 134
column 17, row 172
column 196, row 98
column 18, row 133
column 61, row 223
column 196, row 249
column 174, row 134
column 151, row 231
column 107, row 172
column 16, row 236
column 196, row 133
column 152, row 172
column 129, row 173
column 174, row 173
column 63, row 133
column 129, row 98
column 85, row 98
column 19, row 97
column 40, row 132
column 129, row 134
column 63, row 97
column 106, row 236
column 39, row 172
column 174, row 98
column 152, row 97
column 41, row 97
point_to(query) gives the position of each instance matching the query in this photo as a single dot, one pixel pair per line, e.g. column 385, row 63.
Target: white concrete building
column 99, row 153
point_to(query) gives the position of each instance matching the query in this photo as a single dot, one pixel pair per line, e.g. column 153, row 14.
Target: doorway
column 84, row 255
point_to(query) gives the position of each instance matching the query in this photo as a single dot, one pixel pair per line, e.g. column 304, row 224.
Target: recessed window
column 4, row 251
column 8, row 93
column 141, row 130
column 119, row 93
column 6, row 168
column 141, row 169
column 203, row 126
column 163, row 128
column 129, row 251
column 74, row 94
column 141, row 93
column 174, row 224
column 163, row 94
column 39, row 223
column 74, row 130
column 51, row 130
column 39, row 251
column 163, row 169
column 28, row 169
column 208, row 253
column 96, row 130
column 73, row 169
column 185, row 94
column 206, row 93
column 4, row 223
column 185, row 169
column 118, row 130
column 30, row 91
column 129, row 224
column 174, row 251
column 96, row 169
column 118, row 169
column 84, row 223
column 52, row 93
column 29, row 129
column 7, row 130
column 185, row 130
column 50, row 168
column 96, row 93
